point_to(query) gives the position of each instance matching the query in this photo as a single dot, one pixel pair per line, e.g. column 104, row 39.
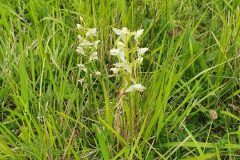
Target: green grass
column 191, row 68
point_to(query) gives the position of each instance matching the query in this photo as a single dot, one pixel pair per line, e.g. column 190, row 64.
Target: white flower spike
column 86, row 43
column 135, row 87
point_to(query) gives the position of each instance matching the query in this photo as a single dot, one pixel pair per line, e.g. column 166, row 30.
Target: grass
column 191, row 70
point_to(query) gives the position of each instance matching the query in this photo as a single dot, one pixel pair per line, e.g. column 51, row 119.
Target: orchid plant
column 128, row 57
column 87, row 50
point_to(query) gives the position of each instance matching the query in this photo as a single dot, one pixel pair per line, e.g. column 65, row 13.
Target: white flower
column 139, row 60
column 81, row 81
column 120, row 32
column 92, row 31
column 80, row 50
column 138, row 34
column 142, row 51
column 114, row 52
column 115, row 70
column 97, row 73
column 120, row 44
column 80, row 37
column 82, row 67
column 86, row 43
column 119, row 53
column 135, row 87
column 93, row 56
column 95, row 44
column 124, row 65
column 79, row 26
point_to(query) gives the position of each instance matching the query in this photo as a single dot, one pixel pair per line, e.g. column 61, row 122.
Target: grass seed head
column 213, row 114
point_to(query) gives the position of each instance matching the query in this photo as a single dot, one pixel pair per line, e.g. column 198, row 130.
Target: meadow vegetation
column 120, row 79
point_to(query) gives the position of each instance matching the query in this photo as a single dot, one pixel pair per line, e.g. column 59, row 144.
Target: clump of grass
column 93, row 91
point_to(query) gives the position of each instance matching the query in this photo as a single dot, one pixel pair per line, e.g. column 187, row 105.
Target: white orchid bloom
column 120, row 45
column 138, row 34
column 125, row 66
column 119, row 53
column 93, row 56
column 115, row 70
column 79, row 26
column 139, row 60
column 80, row 38
column 86, row 43
column 142, row 51
column 82, row 67
column 92, row 31
column 80, row 50
column 81, row 81
column 135, row 87
column 122, row 33
column 97, row 73
column 95, row 44
column 114, row 52
column 122, row 56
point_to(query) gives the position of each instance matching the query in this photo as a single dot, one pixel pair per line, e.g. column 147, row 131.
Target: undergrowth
column 118, row 79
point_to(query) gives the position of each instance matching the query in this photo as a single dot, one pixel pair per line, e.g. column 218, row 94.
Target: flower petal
column 124, row 65
column 142, row 51
column 80, row 38
column 119, row 53
column 80, row 50
column 92, row 31
column 86, row 43
column 120, row 44
column 79, row 26
column 93, row 56
column 122, row 55
column 82, row 67
column 81, row 81
column 115, row 70
column 114, row 52
column 120, row 32
column 117, row 31
column 97, row 73
column 135, row 87
column 138, row 34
